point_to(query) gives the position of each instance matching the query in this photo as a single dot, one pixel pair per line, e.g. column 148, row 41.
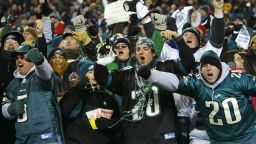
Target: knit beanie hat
column 145, row 41
column 15, row 35
column 71, row 28
column 23, row 49
column 123, row 40
column 194, row 31
column 210, row 57
column 84, row 66
column 56, row 51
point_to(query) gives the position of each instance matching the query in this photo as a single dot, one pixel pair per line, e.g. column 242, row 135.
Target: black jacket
column 148, row 112
column 7, row 67
column 77, row 129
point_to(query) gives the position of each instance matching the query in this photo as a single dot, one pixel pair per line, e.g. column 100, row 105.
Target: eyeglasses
column 120, row 46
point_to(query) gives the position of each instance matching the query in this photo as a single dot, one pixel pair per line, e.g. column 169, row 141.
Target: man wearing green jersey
column 222, row 97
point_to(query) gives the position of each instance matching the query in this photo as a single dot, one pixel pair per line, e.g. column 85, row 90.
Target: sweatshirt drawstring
column 212, row 93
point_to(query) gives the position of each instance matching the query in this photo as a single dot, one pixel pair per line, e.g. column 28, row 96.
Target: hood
column 225, row 71
column 18, row 75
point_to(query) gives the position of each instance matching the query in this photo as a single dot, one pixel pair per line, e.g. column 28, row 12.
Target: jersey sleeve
column 248, row 84
column 187, row 85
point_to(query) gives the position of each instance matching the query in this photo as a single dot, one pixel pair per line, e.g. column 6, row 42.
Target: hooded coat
column 226, row 108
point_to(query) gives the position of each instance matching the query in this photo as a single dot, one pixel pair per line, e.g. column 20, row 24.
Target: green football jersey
column 226, row 108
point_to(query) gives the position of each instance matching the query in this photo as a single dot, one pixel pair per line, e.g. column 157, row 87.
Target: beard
column 71, row 54
column 59, row 70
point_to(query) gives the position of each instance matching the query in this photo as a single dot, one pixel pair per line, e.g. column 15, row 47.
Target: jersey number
column 227, row 111
column 153, row 107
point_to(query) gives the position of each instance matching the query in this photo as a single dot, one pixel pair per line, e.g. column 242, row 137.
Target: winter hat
column 84, row 66
column 13, row 35
column 116, row 36
column 23, row 49
column 123, row 40
column 145, row 41
column 194, row 31
column 32, row 31
column 67, row 34
column 71, row 28
column 210, row 57
column 56, row 51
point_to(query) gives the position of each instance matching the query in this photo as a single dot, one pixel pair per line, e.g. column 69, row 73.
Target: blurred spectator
column 58, row 61
column 10, row 41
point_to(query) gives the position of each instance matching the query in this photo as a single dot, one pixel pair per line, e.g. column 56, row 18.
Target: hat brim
column 66, row 35
column 122, row 40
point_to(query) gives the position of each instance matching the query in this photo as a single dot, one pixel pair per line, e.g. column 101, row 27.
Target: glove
column 169, row 35
column 45, row 9
column 133, row 19
column 16, row 108
column 81, row 85
column 238, row 27
column 93, row 31
column 144, row 72
column 34, row 56
column 228, row 31
column 101, row 74
column 73, row 78
column 159, row 21
column 158, row 18
column 141, row 9
column 102, row 123
column 104, row 50
column 79, row 23
column 104, row 47
column 218, row 4
column 82, row 37
column 171, row 23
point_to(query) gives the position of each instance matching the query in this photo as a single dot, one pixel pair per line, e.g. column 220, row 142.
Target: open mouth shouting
column 188, row 42
column 210, row 75
column 120, row 53
column 20, row 65
column 142, row 59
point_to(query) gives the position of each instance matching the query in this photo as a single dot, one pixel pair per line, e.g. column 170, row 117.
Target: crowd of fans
column 67, row 76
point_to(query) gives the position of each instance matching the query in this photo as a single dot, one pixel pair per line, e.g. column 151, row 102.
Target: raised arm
column 42, row 67
column 166, row 80
column 217, row 26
